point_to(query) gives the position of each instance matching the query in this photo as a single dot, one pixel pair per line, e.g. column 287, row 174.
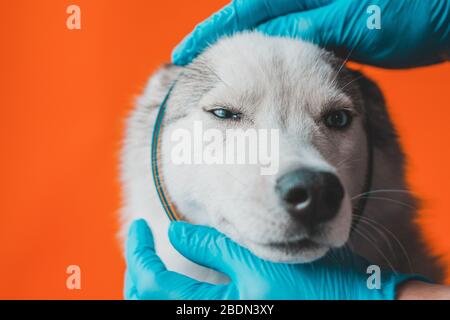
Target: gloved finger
column 208, row 247
column 237, row 16
column 326, row 26
column 129, row 292
column 142, row 261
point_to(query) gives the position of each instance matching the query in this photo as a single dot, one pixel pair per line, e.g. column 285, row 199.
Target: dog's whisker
column 345, row 163
column 344, row 62
column 401, row 203
column 351, row 81
column 382, row 235
column 368, row 233
column 402, row 247
column 376, row 249
column 383, row 191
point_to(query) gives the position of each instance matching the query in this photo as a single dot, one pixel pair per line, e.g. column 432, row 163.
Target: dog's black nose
column 311, row 196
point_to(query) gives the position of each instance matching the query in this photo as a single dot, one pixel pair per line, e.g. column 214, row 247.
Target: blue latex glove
column 413, row 32
column 340, row 275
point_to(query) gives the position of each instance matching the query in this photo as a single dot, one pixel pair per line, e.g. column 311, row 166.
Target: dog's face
column 249, row 81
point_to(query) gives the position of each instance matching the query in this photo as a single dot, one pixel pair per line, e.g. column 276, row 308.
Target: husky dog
column 339, row 155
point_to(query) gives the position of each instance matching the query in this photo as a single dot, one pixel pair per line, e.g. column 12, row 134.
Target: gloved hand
column 340, row 275
column 413, row 32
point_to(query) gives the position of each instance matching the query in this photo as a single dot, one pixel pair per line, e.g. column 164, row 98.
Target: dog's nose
column 311, row 196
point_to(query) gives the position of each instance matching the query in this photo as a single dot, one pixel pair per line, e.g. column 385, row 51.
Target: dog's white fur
column 276, row 83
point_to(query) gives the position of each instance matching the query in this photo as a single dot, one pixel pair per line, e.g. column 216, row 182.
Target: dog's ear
column 378, row 123
column 158, row 85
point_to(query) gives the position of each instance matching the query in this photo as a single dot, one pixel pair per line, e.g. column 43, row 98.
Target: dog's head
column 320, row 110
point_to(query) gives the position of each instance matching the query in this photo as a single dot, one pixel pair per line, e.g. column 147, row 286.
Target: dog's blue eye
column 338, row 119
column 226, row 114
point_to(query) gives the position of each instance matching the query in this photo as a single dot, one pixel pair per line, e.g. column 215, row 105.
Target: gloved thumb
column 140, row 251
column 148, row 278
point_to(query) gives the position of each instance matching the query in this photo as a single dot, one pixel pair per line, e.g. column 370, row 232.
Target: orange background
column 63, row 98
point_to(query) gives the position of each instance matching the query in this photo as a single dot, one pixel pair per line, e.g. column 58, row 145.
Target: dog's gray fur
column 282, row 83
